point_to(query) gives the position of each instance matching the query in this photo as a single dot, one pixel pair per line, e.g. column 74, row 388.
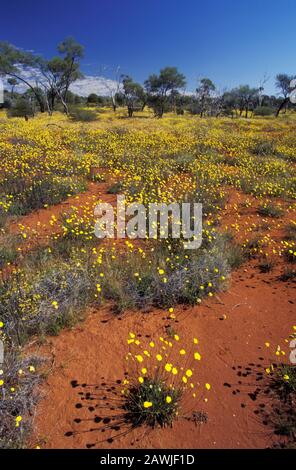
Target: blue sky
column 232, row 42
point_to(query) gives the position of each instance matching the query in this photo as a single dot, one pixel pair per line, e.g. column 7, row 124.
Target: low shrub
column 262, row 147
column 270, row 210
column 83, row 115
column 147, row 403
column 164, row 276
column 46, row 296
column 38, row 193
column 263, row 111
column 18, row 395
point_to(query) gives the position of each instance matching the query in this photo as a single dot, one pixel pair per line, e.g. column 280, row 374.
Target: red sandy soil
column 232, row 329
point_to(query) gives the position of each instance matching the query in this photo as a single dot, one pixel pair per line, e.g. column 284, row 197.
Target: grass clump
column 270, row 210
column 17, row 396
column 45, row 297
column 290, row 230
column 152, row 403
column 27, row 195
column 164, row 275
column 285, row 379
column 262, row 147
column 288, row 275
column 9, row 245
column 266, row 266
column 116, row 188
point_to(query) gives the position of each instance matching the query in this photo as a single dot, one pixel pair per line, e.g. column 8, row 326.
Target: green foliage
column 159, row 87
column 83, row 115
column 262, row 147
column 21, row 108
column 155, row 391
column 270, row 210
column 131, row 280
column 116, row 188
column 263, row 111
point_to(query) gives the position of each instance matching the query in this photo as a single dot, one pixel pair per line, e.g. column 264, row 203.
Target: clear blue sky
column 232, row 42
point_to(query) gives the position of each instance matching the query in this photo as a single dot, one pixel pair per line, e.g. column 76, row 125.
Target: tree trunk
column 283, row 103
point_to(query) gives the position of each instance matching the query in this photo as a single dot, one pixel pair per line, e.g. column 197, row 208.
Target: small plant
column 235, row 255
column 7, row 255
column 115, row 188
column 183, row 162
column 251, row 247
column 285, row 375
column 266, row 266
column 291, row 231
column 18, row 395
column 290, row 254
column 98, row 178
column 153, row 403
column 270, row 210
column 262, row 147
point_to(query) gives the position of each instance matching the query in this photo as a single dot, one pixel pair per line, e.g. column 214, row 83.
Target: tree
column 245, row 98
column 72, row 52
column 52, row 78
column 159, row 88
column 60, row 72
column 204, row 90
column 12, row 82
column 92, row 98
column 132, row 94
column 282, row 83
column 14, row 63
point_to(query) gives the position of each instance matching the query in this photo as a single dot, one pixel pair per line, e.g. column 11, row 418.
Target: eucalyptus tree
column 160, row 87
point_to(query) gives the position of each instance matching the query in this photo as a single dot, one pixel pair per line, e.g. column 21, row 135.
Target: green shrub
column 82, row 115
column 21, row 401
column 21, row 108
column 290, row 230
column 262, row 147
column 270, row 210
column 115, row 188
column 263, row 111
column 153, row 394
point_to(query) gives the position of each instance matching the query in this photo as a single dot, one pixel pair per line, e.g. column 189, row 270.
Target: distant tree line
column 47, row 89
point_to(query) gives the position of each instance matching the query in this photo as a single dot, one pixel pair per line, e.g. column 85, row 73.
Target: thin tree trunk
column 283, row 103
